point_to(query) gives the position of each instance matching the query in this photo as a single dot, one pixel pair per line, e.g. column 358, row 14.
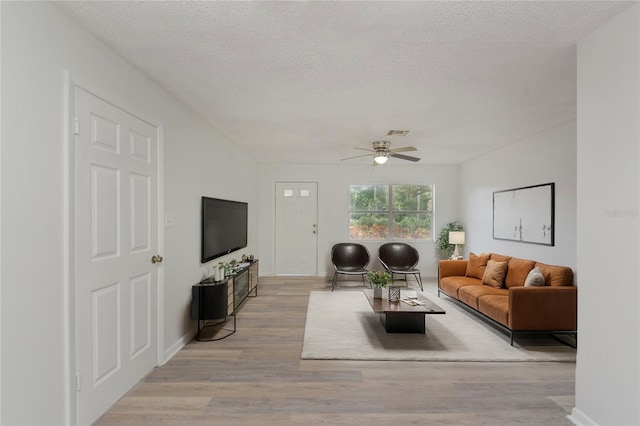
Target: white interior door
column 116, row 210
column 296, row 228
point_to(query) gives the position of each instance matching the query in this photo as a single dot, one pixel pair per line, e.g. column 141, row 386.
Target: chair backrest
column 349, row 256
column 398, row 256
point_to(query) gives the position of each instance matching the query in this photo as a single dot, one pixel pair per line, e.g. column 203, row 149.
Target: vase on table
column 378, row 279
column 219, row 274
column 394, row 294
column 377, row 292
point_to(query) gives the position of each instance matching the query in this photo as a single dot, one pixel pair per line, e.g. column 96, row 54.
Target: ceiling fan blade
column 364, row 149
column 403, row 149
column 405, row 157
column 357, row 156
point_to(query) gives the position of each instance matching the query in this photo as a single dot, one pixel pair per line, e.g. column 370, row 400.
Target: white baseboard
column 175, row 348
column 578, row 418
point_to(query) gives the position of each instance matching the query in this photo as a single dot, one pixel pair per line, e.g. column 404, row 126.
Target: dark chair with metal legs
column 349, row 259
column 400, row 259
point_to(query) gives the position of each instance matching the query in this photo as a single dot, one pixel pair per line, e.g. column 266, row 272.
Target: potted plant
column 378, row 280
column 229, row 267
column 444, row 250
column 220, row 271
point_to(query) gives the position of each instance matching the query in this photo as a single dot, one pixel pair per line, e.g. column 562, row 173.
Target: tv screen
column 224, row 227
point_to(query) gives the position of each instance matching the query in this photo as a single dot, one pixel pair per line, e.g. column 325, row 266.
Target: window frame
column 390, row 212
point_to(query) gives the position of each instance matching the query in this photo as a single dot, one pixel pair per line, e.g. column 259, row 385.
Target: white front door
column 296, row 228
column 116, row 229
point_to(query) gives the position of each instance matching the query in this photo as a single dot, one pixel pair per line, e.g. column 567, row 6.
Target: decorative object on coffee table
column 378, row 280
column 394, row 294
column 377, row 292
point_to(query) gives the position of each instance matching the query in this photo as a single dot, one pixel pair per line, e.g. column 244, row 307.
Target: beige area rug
column 341, row 326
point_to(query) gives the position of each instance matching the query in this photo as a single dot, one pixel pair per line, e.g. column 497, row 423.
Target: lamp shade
column 456, row 237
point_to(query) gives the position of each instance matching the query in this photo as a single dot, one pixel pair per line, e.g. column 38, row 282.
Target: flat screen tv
column 224, row 227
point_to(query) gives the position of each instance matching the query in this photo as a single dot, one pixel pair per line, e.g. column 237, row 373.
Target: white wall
column 198, row 161
column 549, row 156
column 38, row 45
column 333, row 205
column 608, row 362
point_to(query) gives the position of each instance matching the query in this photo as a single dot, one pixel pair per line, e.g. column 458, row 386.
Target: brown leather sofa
column 494, row 286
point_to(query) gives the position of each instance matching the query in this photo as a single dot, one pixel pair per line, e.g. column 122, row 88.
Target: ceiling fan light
column 381, row 158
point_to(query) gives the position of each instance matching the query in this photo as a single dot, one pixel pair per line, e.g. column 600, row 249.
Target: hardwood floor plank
column 256, row 377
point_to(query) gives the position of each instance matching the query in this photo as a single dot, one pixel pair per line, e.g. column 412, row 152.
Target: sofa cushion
column 472, row 293
column 495, row 307
column 535, row 278
column 451, row 285
column 494, row 273
column 476, row 265
column 499, row 257
column 556, row 276
column 518, row 271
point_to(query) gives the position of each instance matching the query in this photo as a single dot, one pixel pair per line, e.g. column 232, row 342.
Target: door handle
column 156, row 259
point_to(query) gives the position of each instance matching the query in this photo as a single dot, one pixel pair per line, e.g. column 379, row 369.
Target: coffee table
column 400, row 317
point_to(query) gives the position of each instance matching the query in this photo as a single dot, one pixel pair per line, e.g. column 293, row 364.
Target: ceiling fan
column 381, row 152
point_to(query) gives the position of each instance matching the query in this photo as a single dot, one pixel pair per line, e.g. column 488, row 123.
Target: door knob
column 156, row 259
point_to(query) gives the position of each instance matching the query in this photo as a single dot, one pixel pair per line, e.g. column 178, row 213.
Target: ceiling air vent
column 397, row 132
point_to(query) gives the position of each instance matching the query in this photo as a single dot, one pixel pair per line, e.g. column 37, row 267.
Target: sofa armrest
column 543, row 308
column 448, row 268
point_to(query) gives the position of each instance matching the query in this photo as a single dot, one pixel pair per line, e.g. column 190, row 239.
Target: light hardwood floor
column 256, row 377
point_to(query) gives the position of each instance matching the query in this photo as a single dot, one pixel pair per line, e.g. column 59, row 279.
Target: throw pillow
column 517, row 272
column 556, row 275
column 535, row 278
column 500, row 258
column 494, row 274
column 476, row 265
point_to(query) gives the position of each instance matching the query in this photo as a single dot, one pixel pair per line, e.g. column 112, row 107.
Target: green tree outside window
column 390, row 212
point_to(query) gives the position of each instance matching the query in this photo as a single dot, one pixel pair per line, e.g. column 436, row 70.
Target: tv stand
column 216, row 301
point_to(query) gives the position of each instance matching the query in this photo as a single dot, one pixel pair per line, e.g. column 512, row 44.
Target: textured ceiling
column 306, row 82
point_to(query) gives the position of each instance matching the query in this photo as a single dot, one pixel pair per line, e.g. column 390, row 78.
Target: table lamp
column 456, row 237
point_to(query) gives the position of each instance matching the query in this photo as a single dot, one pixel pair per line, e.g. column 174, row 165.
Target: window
column 390, row 212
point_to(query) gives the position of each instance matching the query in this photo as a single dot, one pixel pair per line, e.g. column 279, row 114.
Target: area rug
column 340, row 325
